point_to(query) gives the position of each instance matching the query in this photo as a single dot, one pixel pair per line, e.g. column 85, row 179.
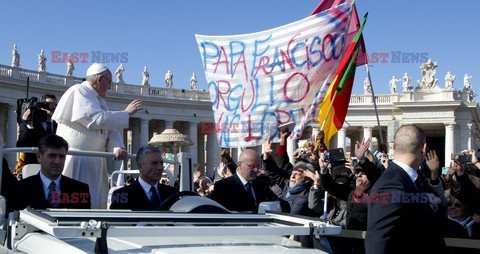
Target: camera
column 337, row 155
column 464, row 158
column 37, row 114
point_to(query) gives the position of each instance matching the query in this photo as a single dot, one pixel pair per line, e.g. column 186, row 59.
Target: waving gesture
column 360, row 148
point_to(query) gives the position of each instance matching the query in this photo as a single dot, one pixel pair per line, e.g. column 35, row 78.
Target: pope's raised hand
column 133, row 107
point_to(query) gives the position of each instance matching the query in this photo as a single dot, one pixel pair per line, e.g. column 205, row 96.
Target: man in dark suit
column 9, row 185
column 405, row 223
column 145, row 193
column 242, row 192
column 31, row 131
column 49, row 188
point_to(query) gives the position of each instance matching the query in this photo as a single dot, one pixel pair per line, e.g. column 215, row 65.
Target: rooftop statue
column 449, row 79
column 42, row 62
column 367, row 87
column 169, row 79
column 119, row 74
column 467, row 87
column 393, row 84
column 15, row 56
column 193, row 82
column 406, row 83
column 467, row 84
column 428, row 80
column 70, row 67
column 146, row 77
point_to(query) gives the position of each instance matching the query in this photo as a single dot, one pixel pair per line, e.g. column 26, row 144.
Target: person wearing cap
column 86, row 123
column 296, row 192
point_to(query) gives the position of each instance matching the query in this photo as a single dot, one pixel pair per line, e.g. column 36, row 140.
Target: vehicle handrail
column 74, row 152
column 136, row 171
column 69, row 152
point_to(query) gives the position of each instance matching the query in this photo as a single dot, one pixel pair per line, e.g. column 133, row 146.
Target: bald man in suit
column 242, row 192
column 406, row 223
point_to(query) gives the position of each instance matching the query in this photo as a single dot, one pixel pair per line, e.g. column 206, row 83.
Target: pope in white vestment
column 86, row 123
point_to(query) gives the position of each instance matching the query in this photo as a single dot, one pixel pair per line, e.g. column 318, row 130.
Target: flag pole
column 375, row 106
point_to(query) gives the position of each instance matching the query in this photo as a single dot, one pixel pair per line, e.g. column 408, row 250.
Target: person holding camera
column 36, row 122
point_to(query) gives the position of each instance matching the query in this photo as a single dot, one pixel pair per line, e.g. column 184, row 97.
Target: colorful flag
column 352, row 28
column 261, row 80
column 334, row 107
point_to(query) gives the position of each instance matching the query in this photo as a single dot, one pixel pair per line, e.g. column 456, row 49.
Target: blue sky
column 160, row 34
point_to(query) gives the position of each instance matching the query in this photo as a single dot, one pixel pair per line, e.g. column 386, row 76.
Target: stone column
column 135, row 127
column 144, row 132
column 367, row 133
column 168, row 124
column 193, row 137
column 2, row 120
column 449, row 143
column 466, row 137
column 234, row 153
column 216, row 155
column 341, row 135
column 392, row 127
column 201, row 152
column 211, row 143
column 11, row 135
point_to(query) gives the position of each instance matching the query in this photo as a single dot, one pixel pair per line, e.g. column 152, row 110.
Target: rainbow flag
column 334, row 107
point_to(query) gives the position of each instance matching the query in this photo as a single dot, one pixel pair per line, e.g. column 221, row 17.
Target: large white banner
column 261, row 80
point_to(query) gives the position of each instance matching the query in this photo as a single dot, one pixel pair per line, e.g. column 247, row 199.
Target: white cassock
column 85, row 122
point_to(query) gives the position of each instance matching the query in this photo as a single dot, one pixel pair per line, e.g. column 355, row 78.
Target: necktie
column 49, row 129
column 51, row 189
column 248, row 188
column 155, row 199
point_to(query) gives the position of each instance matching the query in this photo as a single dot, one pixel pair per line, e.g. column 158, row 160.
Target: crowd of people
column 407, row 199
column 401, row 203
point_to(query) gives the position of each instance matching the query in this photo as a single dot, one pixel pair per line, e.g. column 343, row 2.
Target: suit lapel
column 38, row 196
column 140, row 198
column 246, row 195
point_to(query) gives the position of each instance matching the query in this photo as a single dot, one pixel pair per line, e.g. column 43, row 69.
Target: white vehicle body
column 68, row 231
column 182, row 230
